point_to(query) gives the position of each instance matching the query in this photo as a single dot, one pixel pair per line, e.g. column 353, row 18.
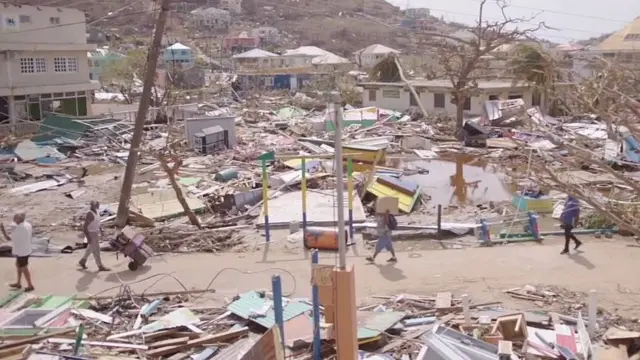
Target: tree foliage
column 127, row 73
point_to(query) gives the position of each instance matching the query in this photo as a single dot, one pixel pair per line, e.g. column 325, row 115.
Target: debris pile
column 177, row 325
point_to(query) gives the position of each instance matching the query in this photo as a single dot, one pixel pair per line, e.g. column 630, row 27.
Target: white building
column 436, row 95
column 212, row 18
column 303, row 55
column 43, row 62
column 623, row 45
column 372, row 54
column 256, row 59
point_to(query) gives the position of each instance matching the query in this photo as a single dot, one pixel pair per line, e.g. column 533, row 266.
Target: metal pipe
column 317, row 344
column 278, row 308
column 342, row 246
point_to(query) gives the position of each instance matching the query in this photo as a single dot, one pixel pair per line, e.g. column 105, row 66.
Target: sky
column 572, row 19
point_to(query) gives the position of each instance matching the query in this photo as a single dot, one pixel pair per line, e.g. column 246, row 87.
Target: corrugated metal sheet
column 405, row 201
column 163, row 204
column 251, row 304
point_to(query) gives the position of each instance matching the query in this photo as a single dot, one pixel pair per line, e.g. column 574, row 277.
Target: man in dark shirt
column 570, row 217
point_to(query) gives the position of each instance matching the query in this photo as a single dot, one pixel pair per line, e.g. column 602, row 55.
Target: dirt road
column 606, row 266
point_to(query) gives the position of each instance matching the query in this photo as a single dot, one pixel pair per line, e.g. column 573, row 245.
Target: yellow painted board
column 405, row 202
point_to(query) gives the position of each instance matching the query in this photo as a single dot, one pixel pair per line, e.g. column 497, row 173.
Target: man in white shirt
column 19, row 233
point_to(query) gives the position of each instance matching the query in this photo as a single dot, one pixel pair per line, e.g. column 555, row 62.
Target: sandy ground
column 604, row 266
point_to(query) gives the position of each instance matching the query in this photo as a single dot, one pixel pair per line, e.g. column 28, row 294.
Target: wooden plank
column 205, row 340
column 158, row 334
column 443, row 300
column 35, row 339
column 169, row 342
column 505, row 350
column 119, row 345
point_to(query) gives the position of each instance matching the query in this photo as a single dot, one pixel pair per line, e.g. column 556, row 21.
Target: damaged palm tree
column 608, row 100
column 389, row 69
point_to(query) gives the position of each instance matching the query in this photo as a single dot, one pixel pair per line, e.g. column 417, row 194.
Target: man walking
column 385, row 223
column 19, row 233
column 570, row 217
column 93, row 233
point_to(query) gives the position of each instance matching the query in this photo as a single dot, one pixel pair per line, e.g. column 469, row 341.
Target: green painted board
column 9, row 298
column 51, row 302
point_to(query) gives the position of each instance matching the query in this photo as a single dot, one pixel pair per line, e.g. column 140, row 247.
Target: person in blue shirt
column 570, row 218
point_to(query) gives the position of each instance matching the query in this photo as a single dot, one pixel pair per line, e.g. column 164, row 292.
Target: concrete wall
column 12, row 76
column 42, row 25
column 194, row 125
column 427, row 99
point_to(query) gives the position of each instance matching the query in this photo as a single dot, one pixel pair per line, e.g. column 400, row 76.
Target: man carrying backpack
column 386, row 222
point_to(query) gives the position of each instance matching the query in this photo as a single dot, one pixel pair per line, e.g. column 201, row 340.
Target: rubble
column 180, row 324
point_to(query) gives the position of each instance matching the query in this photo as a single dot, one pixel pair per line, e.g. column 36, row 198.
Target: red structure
column 239, row 44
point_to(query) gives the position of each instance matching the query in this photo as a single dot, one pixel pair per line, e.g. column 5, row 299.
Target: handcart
column 131, row 245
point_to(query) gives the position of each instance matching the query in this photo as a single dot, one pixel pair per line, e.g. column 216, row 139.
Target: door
column 293, row 83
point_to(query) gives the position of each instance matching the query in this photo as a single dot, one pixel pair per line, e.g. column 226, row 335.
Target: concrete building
column 623, row 45
column 99, row 60
column 436, row 96
column 372, row 54
column 233, row 6
column 178, row 54
column 417, row 13
column 256, row 59
column 212, row 18
column 303, row 55
column 43, row 62
column 239, row 44
column 266, row 34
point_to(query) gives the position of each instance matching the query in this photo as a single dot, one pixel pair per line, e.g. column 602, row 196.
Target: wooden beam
column 205, row 340
column 169, row 342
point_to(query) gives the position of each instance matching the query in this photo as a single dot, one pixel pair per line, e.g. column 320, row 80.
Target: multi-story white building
column 43, row 62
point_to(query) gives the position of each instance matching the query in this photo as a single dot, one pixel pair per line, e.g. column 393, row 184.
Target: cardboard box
column 387, row 203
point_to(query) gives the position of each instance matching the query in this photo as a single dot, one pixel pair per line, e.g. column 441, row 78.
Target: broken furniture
column 211, row 140
column 512, row 327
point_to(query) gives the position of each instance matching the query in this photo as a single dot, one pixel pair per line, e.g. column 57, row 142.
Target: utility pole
column 342, row 246
column 141, row 117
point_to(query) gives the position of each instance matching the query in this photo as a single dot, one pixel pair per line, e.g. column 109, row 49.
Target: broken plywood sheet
column 160, row 205
column 321, row 209
column 372, row 324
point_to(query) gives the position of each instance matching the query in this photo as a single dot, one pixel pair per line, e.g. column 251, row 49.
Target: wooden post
column 465, row 310
column 303, row 186
column 350, row 194
column 141, row 118
column 593, row 313
column 278, row 310
column 439, row 221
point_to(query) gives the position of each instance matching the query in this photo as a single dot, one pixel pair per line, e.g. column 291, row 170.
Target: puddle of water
column 458, row 179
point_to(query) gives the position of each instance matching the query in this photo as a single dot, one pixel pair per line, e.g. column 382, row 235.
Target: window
column 467, row 103
column 268, row 81
column 41, row 65
column 54, row 20
column 90, row 76
column 412, row 99
column 494, row 97
column 25, row 19
column 391, row 94
column 372, row 95
column 27, row 65
column 438, row 101
column 536, row 98
column 183, row 52
column 628, row 37
column 515, row 96
column 65, row 64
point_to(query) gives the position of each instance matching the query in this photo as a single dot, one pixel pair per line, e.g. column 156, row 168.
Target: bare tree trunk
column 171, row 173
column 459, row 118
